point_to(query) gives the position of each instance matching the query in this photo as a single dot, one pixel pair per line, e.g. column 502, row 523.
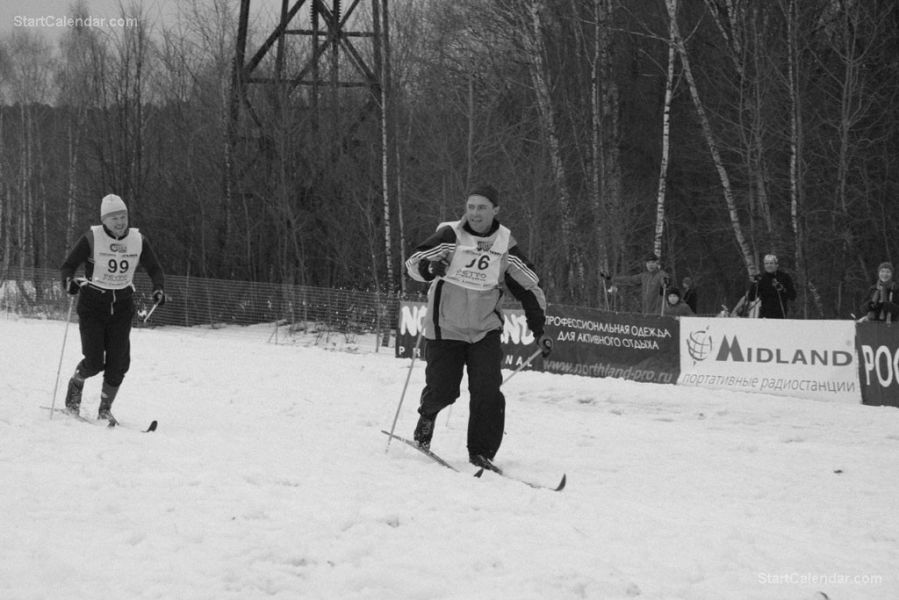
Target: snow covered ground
column 268, row 478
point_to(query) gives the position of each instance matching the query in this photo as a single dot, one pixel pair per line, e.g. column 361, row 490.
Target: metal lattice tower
column 306, row 96
column 305, row 65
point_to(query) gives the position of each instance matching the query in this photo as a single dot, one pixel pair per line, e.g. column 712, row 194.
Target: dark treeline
column 737, row 129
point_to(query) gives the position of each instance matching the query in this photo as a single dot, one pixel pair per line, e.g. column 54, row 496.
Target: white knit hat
column 110, row 204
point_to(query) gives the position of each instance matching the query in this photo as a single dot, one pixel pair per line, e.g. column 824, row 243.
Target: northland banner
column 517, row 339
column 878, row 363
column 808, row 359
column 597, row 343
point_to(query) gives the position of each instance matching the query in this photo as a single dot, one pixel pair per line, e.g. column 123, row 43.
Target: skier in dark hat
column 469, row 263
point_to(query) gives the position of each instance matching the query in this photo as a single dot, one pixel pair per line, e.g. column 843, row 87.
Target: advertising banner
column 878, row 363
column 808, row 359
column 517, row 339
column 597, row 343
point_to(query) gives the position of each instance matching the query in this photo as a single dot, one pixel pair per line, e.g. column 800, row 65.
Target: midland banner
column 878, row 363
column 517, row 339
column 596, row 343
column 809, row 359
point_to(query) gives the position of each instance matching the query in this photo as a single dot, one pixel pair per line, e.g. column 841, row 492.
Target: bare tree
column 678, row 42
column 81, row 51
column 605, row 179
column 666, row 136
column 29, row 85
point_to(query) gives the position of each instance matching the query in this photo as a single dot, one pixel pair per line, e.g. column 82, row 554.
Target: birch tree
column 605, row 177
column 81, row 51
column 529, row 16
column 678, row 42
column 666, row 133
column 744, row 46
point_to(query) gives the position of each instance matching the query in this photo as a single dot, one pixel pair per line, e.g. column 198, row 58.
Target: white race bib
column 115, row 261
column 477, row 262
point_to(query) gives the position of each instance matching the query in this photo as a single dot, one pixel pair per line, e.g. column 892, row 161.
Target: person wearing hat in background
column 468, row 263
column 653, row 283
column 882, row 302
column 674, row 306
column 774, row 288
column 111, row 253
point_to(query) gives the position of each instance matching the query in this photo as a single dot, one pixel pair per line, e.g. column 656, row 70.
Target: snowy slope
column 268, row 478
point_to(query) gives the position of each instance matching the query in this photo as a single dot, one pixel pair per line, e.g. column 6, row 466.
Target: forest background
column 710, row 132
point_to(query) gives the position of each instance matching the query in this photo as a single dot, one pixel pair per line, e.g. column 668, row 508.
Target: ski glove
column 545, row 343
column 778, row 286
column 437, row 268
column 73, row 286
column 159, row 297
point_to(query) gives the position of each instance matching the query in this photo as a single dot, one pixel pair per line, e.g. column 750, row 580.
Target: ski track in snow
column 268, row 478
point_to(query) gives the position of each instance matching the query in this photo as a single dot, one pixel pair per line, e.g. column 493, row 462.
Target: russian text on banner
column 808, row 359
column 598, row 343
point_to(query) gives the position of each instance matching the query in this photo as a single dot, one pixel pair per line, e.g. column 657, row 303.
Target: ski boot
column 481, row 461
column 73, row 394
column 424, row 431
column 107, row 395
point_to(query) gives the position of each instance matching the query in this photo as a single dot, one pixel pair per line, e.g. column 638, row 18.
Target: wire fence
column 289, row 310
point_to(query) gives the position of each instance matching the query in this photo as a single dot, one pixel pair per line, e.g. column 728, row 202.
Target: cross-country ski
column 104, row 422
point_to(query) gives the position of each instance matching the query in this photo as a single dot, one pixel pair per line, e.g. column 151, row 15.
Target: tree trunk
column 5, row 212
column 534, row 48
column 678, row 41
column 666, row 140
column 796, row 156
column 605, row 180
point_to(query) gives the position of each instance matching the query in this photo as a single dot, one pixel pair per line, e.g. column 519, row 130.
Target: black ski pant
column 487, row 406
column 105, row 327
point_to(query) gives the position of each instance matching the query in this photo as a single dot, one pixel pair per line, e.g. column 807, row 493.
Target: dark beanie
column 886, row 265
column 652, row 257
column 674, row 291
column 487, row 191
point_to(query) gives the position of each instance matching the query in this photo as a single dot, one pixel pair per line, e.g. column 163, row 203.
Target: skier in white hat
column 111, row 253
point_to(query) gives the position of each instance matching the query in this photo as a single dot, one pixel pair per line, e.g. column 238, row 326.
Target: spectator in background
column 653, row 283
column 774, row 288
column 688, row 295
column 882, row 302
column 674, row 306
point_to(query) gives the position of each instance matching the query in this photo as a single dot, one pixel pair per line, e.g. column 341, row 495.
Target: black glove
column 605, row 275
column 546, row 344
column 159, row 297
column 666, row 281
column 437, row 268
column 73, row 286
column 875, row 306
column 778, row 286
column 756, row 278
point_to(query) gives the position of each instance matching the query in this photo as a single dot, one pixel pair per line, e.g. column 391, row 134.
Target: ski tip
column 152, row 427
column 562, row 483
column 479, row 473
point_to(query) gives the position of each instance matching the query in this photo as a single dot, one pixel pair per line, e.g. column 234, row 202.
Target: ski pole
column 522, row 366
column 62, row 352
column 783, row 311
column 405, row 385
column 153, row 308
column 149, row 314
